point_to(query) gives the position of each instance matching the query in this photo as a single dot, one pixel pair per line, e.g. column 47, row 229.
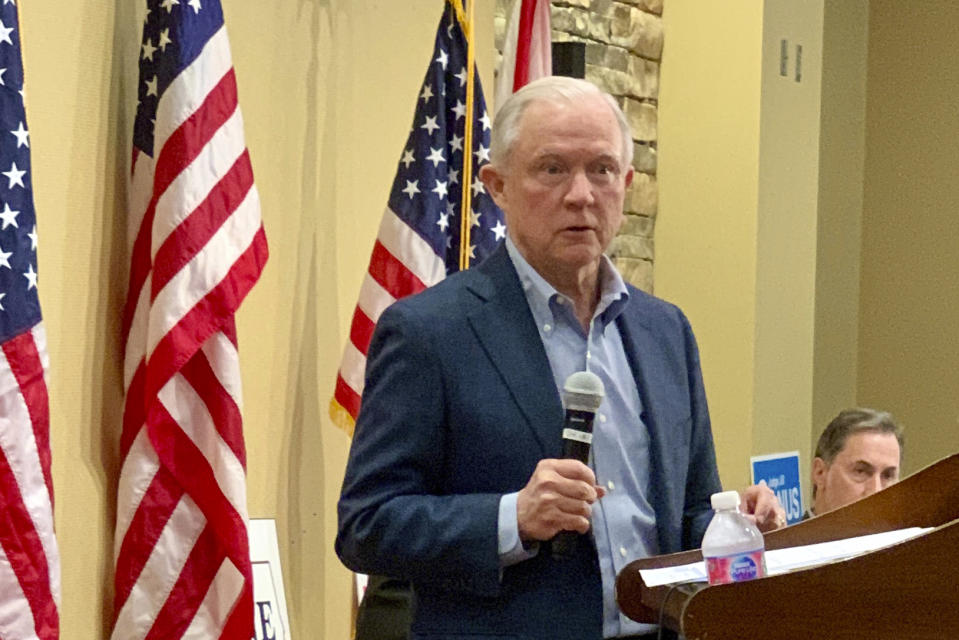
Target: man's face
column 563, row 187
column 869, row 462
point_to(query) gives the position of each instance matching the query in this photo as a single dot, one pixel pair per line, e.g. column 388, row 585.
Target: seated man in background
column 858, row 454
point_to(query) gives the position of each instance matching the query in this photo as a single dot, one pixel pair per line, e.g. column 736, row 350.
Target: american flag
column 198, row 246
column 418, row 242
column 29, row 561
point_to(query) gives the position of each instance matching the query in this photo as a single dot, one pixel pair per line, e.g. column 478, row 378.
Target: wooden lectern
column 906, row 591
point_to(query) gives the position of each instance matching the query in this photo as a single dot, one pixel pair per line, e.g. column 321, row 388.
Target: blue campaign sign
column 780, row 471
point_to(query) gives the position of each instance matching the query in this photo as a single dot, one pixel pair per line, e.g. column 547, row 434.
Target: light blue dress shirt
column 623, row 522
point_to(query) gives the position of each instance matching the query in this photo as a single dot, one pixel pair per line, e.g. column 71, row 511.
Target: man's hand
column 762, row 506
column 556, row 498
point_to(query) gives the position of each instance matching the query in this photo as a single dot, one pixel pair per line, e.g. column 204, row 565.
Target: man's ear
column 494, row 183
column 819, row 468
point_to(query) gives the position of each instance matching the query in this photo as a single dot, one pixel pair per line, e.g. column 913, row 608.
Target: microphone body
column 578, row 434
column 582, row 394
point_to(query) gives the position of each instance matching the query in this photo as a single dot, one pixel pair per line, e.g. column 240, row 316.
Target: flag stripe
column 189, row 411
column 373, row 299
column 393, row 274
column 142, row 168
column 196, row 326
column 361, row 331
column 137, row 471
column 191, row 234
column 190, row 88
column 136, row 314
column 224, row 414
column 23, row 357
column 346, row 396
column 139, row 272
column 192, row 185
column 221, row 354
column 194, row 580
column 354, row 362
column 194, row 135
column 236, row 623
column 155, row 580
column 16, row 617
column 411, row 249
column 220, row 260
column 133, row 410
column 213, row 613
column 194, row 472
column 24, row 551
column 541, row 48
column 149, row 519
column 521, row 70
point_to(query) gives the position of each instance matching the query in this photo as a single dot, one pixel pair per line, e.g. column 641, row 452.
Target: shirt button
column 602, row 417
column 622, row 551
column 547, row 328
column 611, row 485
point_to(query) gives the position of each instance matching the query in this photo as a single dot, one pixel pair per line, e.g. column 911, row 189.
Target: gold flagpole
column 466, row 22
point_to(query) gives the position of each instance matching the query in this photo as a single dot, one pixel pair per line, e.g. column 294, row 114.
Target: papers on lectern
column 782, row 560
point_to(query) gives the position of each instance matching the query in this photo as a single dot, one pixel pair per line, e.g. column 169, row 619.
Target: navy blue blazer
column 458, row 407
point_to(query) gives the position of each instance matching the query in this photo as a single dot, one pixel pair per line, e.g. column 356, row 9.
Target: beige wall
column 707, row 221
column 839, row 235
column 327, row 89
column 758, row 229
column 908, row 343
column 788, row 219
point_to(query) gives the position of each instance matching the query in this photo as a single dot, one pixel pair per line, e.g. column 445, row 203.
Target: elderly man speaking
column 454, row 479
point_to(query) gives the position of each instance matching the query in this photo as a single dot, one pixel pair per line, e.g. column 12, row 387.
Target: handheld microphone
column 582, row 394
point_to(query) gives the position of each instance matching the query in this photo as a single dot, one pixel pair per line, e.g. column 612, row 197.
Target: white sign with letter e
column 270, row 618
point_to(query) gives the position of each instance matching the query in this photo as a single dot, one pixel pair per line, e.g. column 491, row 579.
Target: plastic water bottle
column 733, row 547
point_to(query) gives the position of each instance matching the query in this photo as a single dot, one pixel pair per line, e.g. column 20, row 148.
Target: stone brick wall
column 624, row 44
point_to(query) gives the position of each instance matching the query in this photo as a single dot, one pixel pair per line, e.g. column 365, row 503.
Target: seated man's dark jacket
column 459, row 406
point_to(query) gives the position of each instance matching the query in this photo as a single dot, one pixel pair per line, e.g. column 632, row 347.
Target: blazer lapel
column 505, row 328
column 645, row 355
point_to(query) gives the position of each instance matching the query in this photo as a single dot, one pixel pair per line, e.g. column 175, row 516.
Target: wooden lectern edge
column 896, row 507
column 899, row 591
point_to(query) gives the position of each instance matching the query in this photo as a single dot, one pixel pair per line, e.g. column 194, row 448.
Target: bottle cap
column 725, row 500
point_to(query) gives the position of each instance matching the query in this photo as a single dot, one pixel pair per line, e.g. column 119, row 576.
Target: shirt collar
column 542, row 295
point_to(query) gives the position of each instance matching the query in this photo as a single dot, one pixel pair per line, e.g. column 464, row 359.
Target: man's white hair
column 555, row 90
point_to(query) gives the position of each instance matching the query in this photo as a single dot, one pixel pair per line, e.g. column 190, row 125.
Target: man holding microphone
column 456, row 479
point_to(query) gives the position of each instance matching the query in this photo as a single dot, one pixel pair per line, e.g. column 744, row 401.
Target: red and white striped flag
column 29, row 561
column 198, row 246
column 527, row 53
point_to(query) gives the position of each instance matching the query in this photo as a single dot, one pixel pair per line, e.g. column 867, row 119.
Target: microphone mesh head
column 583, row 391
